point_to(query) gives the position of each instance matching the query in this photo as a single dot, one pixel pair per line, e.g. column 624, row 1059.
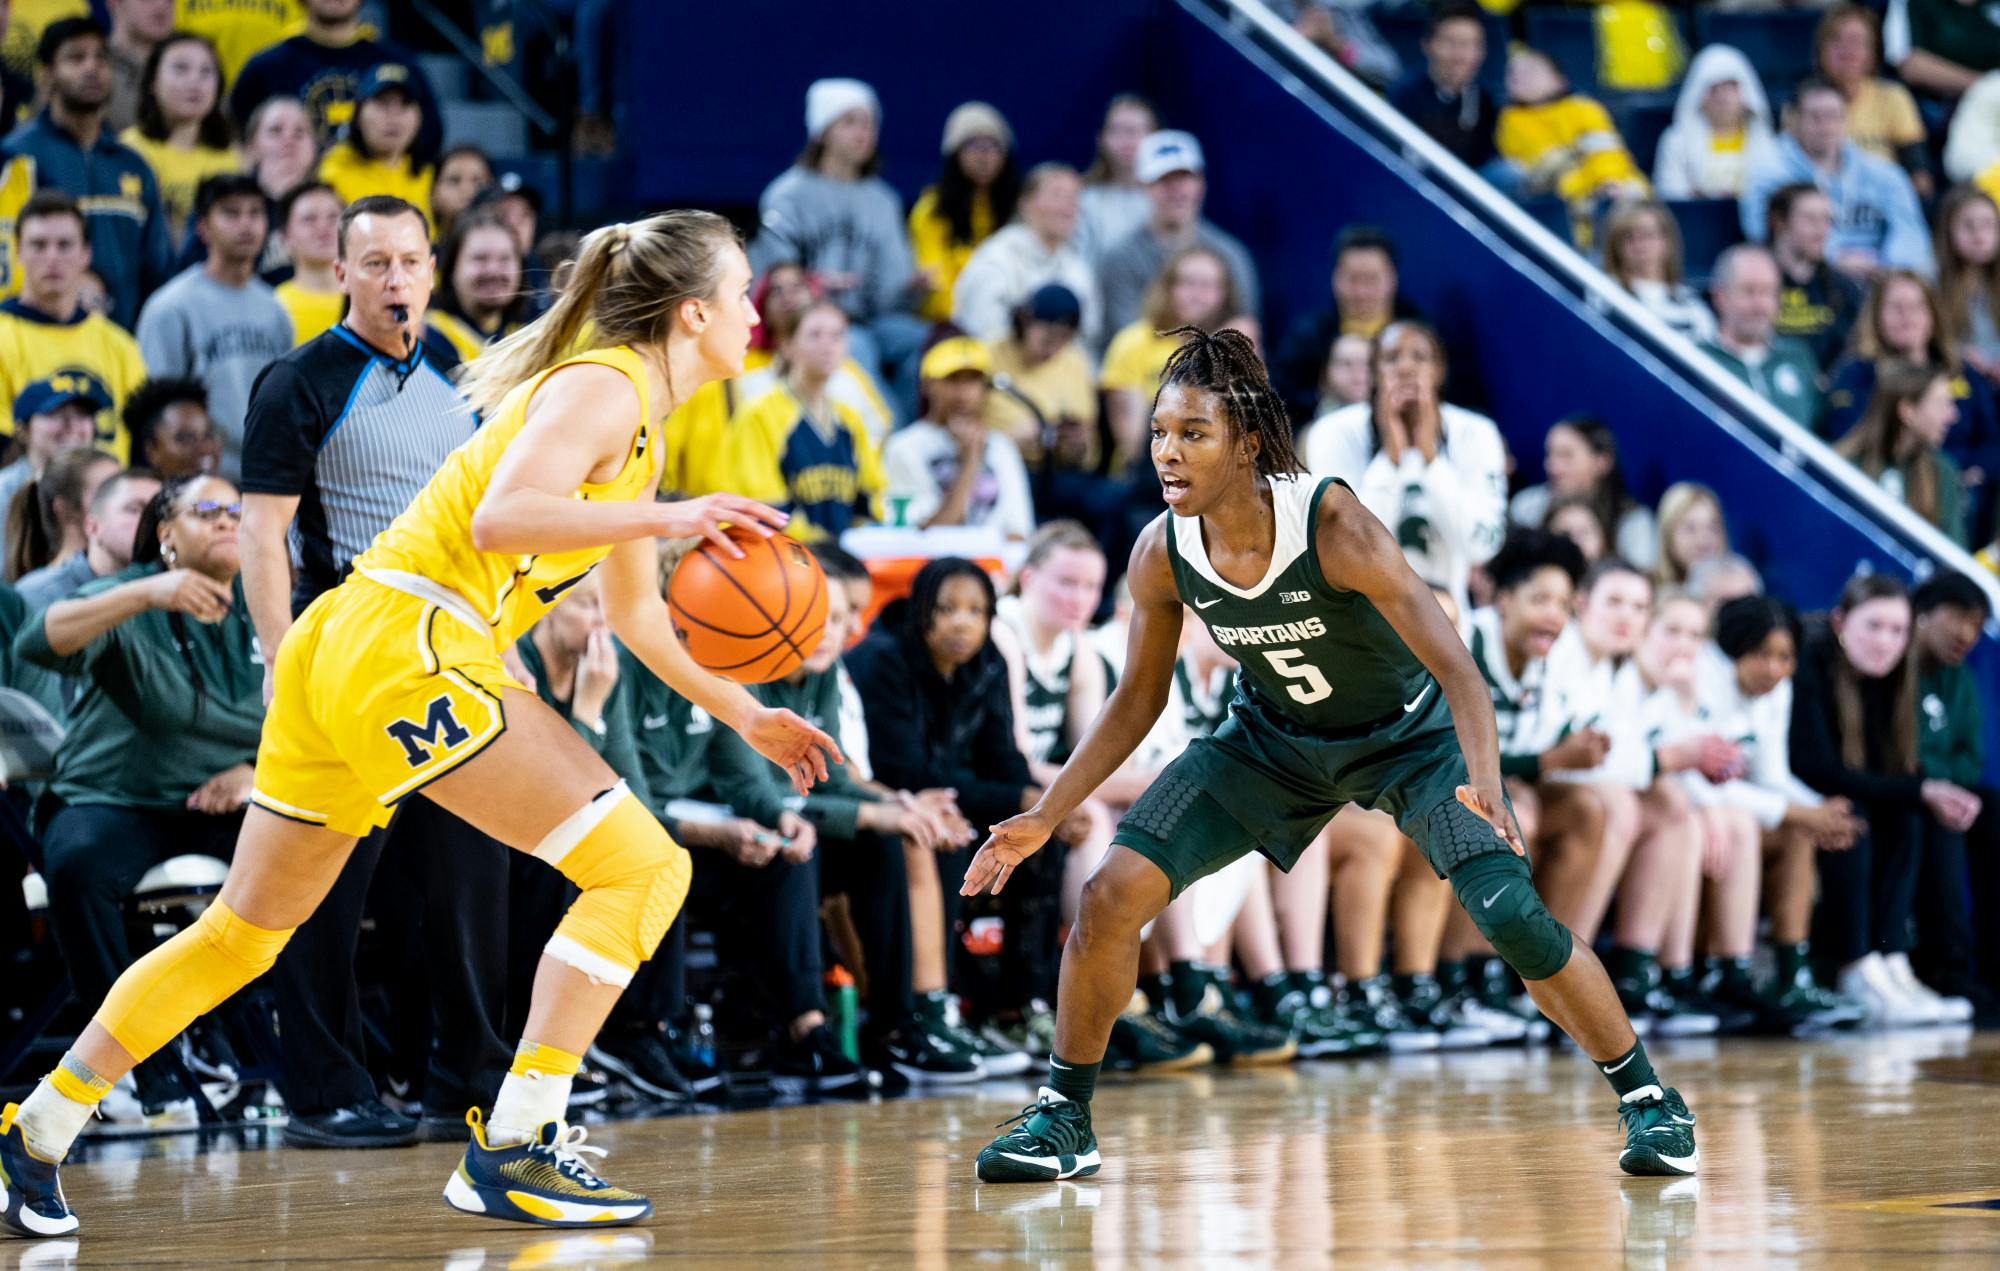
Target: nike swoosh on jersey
column 1203, row 604
column 1412, row 704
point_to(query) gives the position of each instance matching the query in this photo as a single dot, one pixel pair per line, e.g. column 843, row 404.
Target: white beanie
column 829, row 99
column 975, row 119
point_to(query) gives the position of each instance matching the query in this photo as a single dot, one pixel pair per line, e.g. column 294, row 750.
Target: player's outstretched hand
column 704, row 518
column 794, row 745
column 1008, row 844
column 1490, row 806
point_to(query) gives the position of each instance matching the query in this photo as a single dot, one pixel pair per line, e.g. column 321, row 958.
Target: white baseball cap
column 1165, row 153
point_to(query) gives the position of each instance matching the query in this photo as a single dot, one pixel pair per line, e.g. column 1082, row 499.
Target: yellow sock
column 534, row 1093
column 536, row 1057
column 74, row 1081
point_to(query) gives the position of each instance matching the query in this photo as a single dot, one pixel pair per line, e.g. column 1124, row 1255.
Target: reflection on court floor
column 1862, row 1151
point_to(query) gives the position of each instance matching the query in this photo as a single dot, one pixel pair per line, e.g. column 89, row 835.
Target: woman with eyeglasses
column 157, row 760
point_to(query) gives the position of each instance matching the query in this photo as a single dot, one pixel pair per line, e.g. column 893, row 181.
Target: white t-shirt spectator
column 1763, row 727
column 1006, row 269
column 1449, row 514
column 921, row 461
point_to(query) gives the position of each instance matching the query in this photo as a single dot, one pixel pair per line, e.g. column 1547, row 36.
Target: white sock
column 50, row 1121
column 526, row 1104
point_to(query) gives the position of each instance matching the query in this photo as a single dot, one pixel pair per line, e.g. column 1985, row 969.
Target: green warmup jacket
column 617, row 742
column 674, row 737
column 1948, row 724
column 753, row 785
column 165, row 703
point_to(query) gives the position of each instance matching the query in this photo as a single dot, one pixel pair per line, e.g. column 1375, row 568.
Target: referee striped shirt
column 353, row 433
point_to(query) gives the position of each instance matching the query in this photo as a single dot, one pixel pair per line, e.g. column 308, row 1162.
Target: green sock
column 1076, row 1082
column 1630, row 1071
column 1270, row 990
column 1185, row 984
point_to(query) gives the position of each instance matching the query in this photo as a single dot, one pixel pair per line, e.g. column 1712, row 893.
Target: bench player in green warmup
column 1355, row 689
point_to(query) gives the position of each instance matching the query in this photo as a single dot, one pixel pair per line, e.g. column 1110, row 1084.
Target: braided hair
column 1226, row 363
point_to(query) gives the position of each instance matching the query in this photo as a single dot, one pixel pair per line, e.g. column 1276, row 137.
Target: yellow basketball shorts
column 377, row 694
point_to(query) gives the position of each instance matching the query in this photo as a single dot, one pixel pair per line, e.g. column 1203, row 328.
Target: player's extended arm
column 1357, row 554
column 638, row 615
column 1129, row 714
column 580, row 423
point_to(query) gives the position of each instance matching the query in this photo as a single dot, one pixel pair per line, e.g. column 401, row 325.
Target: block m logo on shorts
column 440, row 729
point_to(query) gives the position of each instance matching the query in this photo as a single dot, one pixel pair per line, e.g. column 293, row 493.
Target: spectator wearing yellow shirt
column 375, row 156
column 240, row 29
column 796, row 447
column 1563, row 142
column 479, row 297
column 463, row 173
column 1195, row 289
column 309, row 227
column 1042, row 360
column 46, row 331
column 975, row 193
column 181, row 129
column 1882, row 117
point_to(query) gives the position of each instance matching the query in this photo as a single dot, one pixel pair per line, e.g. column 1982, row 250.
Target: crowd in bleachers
column 1769, row 823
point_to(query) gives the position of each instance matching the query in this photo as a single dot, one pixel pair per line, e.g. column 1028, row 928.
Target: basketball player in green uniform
column 1354, row 689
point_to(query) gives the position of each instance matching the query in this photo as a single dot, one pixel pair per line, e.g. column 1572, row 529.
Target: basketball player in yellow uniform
column 393, row 683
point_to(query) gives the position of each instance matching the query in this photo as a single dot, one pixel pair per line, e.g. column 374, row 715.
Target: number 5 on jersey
column 1291, row 664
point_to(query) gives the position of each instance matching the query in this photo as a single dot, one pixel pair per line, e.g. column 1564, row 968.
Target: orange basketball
column 752, row 618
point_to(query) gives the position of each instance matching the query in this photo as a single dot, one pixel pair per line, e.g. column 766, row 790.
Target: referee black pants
column 440, row 904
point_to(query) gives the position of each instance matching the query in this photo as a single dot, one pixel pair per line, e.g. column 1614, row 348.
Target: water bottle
column 704, row 1033
column 843, row 1011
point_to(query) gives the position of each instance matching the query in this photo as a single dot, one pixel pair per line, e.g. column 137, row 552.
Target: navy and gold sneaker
column 31, row 1196
column 1659, row 1133
column 1052, row 1142
column 543, row 1181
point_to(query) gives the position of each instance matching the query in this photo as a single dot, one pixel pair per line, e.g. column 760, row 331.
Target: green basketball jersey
column 1324, row 659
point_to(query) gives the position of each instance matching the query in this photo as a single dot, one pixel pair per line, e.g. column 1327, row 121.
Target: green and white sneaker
column 1659, row 1133
column 1321, row 1030
column 1801, row 993
column 938, row 1013
column 1140, row 1042
column 1034, row 1033
column 1375, row 998
column 1235, row 1040
column 1053, row 1141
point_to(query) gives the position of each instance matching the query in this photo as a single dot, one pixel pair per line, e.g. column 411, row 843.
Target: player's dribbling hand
column 1008, row 844
column 186, row 591
column 793, row 744
column 704, row 518
column 1488, row 805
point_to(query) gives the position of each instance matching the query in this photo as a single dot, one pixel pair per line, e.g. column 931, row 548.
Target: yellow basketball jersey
column 432, row 540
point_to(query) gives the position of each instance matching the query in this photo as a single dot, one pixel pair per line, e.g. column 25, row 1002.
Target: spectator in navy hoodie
column 322, row 67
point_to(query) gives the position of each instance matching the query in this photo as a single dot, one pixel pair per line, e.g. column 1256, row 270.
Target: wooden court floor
column 1862, row 1152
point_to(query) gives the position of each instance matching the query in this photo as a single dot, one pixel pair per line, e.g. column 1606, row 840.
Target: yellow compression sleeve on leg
column 634, row 878
column 185, row 978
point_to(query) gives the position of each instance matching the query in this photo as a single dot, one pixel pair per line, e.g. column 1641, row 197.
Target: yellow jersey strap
column 622, row 358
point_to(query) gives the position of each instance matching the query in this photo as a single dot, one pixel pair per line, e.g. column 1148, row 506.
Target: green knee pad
column 1499, row 894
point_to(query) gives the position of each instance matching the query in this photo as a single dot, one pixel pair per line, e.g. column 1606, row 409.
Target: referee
column 342, row 433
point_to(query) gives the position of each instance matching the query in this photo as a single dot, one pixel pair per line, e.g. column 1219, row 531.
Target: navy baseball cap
column 1053, row 302
column 383, row 77
column 43, row 396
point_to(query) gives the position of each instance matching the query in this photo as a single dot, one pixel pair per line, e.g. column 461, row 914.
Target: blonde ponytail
column 627, row 282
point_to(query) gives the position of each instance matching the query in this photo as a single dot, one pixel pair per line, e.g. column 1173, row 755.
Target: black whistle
column 401, row 313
